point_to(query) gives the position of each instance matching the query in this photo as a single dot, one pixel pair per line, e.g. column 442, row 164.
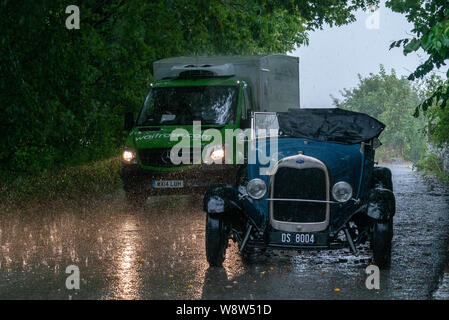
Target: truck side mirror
column 129, row 121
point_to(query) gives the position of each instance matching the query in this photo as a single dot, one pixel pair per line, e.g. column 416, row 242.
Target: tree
column 436, row 118
column 430, row 19
column 389, row 99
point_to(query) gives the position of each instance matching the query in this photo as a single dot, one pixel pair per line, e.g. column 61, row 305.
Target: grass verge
column 84, row 181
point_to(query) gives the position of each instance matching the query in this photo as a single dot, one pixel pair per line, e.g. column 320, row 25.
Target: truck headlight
column 342, row 191
column 256, row 188
column 129, row 156
column 213, row 154
column 217, row 154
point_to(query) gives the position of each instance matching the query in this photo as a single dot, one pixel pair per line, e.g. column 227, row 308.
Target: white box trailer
column 274, row 79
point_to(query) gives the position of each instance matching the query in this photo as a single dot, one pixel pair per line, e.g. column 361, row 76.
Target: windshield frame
column 253, row 126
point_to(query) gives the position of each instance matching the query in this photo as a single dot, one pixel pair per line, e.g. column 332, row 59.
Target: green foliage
column 431, row 163
column 431, row 30
column 390, row 100
column 436, row 118
column 63, row 92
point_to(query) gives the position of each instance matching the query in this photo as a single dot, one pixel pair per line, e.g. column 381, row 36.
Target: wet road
column 158, row 253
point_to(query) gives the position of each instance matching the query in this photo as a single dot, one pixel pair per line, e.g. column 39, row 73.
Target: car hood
column 344, row 161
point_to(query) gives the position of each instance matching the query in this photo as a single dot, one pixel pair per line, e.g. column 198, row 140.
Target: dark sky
column 336, row 55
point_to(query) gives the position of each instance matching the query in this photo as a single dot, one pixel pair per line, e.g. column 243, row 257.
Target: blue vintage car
column 320, row 189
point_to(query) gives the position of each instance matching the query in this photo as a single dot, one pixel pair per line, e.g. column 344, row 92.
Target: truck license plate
column 168, row 184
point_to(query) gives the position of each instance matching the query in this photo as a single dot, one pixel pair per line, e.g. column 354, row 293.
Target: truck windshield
column 183, row 105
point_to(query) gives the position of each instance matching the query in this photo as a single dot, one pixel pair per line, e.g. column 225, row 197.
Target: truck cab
column 191, row 105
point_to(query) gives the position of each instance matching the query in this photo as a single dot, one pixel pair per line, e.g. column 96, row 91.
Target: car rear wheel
column 381, row 243
column 216, row 241
column 382, row 177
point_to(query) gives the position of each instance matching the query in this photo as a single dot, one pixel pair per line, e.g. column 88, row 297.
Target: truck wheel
column 216, row 241
column 381, row 243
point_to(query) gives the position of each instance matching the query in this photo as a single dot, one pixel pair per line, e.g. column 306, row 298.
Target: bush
column 432, row 163
column 391, row 100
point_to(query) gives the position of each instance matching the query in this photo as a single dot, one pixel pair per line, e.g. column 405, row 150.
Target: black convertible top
column 330, row 124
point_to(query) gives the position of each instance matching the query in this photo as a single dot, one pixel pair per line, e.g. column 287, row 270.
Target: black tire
column 216, row 241
column 381, row 243
column 382, row 176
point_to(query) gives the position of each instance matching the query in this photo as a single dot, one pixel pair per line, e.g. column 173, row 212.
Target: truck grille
column 158, row 157
column 297, row 183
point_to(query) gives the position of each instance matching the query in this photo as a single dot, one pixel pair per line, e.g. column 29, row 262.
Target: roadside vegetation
column 432, row 163
column 392, row 100
column 436, row 128
column 430, row 34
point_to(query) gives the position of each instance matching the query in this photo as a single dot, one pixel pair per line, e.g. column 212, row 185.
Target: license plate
column 168, row 184
column 297, row 238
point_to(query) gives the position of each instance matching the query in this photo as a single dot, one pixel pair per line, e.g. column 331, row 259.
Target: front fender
column 221, row 199
column 381, row 204
column 225, row 200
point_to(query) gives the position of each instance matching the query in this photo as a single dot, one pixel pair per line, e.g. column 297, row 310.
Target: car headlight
column 129, row 156
column 342, row 191
column 256, row 188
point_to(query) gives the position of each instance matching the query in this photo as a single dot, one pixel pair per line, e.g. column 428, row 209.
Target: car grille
column 293, row 183
column 157, row 157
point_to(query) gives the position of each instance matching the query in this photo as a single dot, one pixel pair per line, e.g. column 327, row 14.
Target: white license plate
column 168, row 184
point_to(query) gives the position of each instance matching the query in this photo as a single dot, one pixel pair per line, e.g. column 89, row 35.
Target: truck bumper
column 196, row 180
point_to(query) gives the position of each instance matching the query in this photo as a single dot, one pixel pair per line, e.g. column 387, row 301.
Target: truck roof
column 225, row 81
column 221, row 65
column 217, row 59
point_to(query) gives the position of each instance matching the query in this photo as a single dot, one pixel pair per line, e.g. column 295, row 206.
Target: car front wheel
column 216, row 241
column 381, row 243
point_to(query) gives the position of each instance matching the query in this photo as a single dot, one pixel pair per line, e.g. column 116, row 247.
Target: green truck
column 217, row 92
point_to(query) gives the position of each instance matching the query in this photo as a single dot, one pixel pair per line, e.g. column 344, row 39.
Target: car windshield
column 266, row 124
column 183, row 105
